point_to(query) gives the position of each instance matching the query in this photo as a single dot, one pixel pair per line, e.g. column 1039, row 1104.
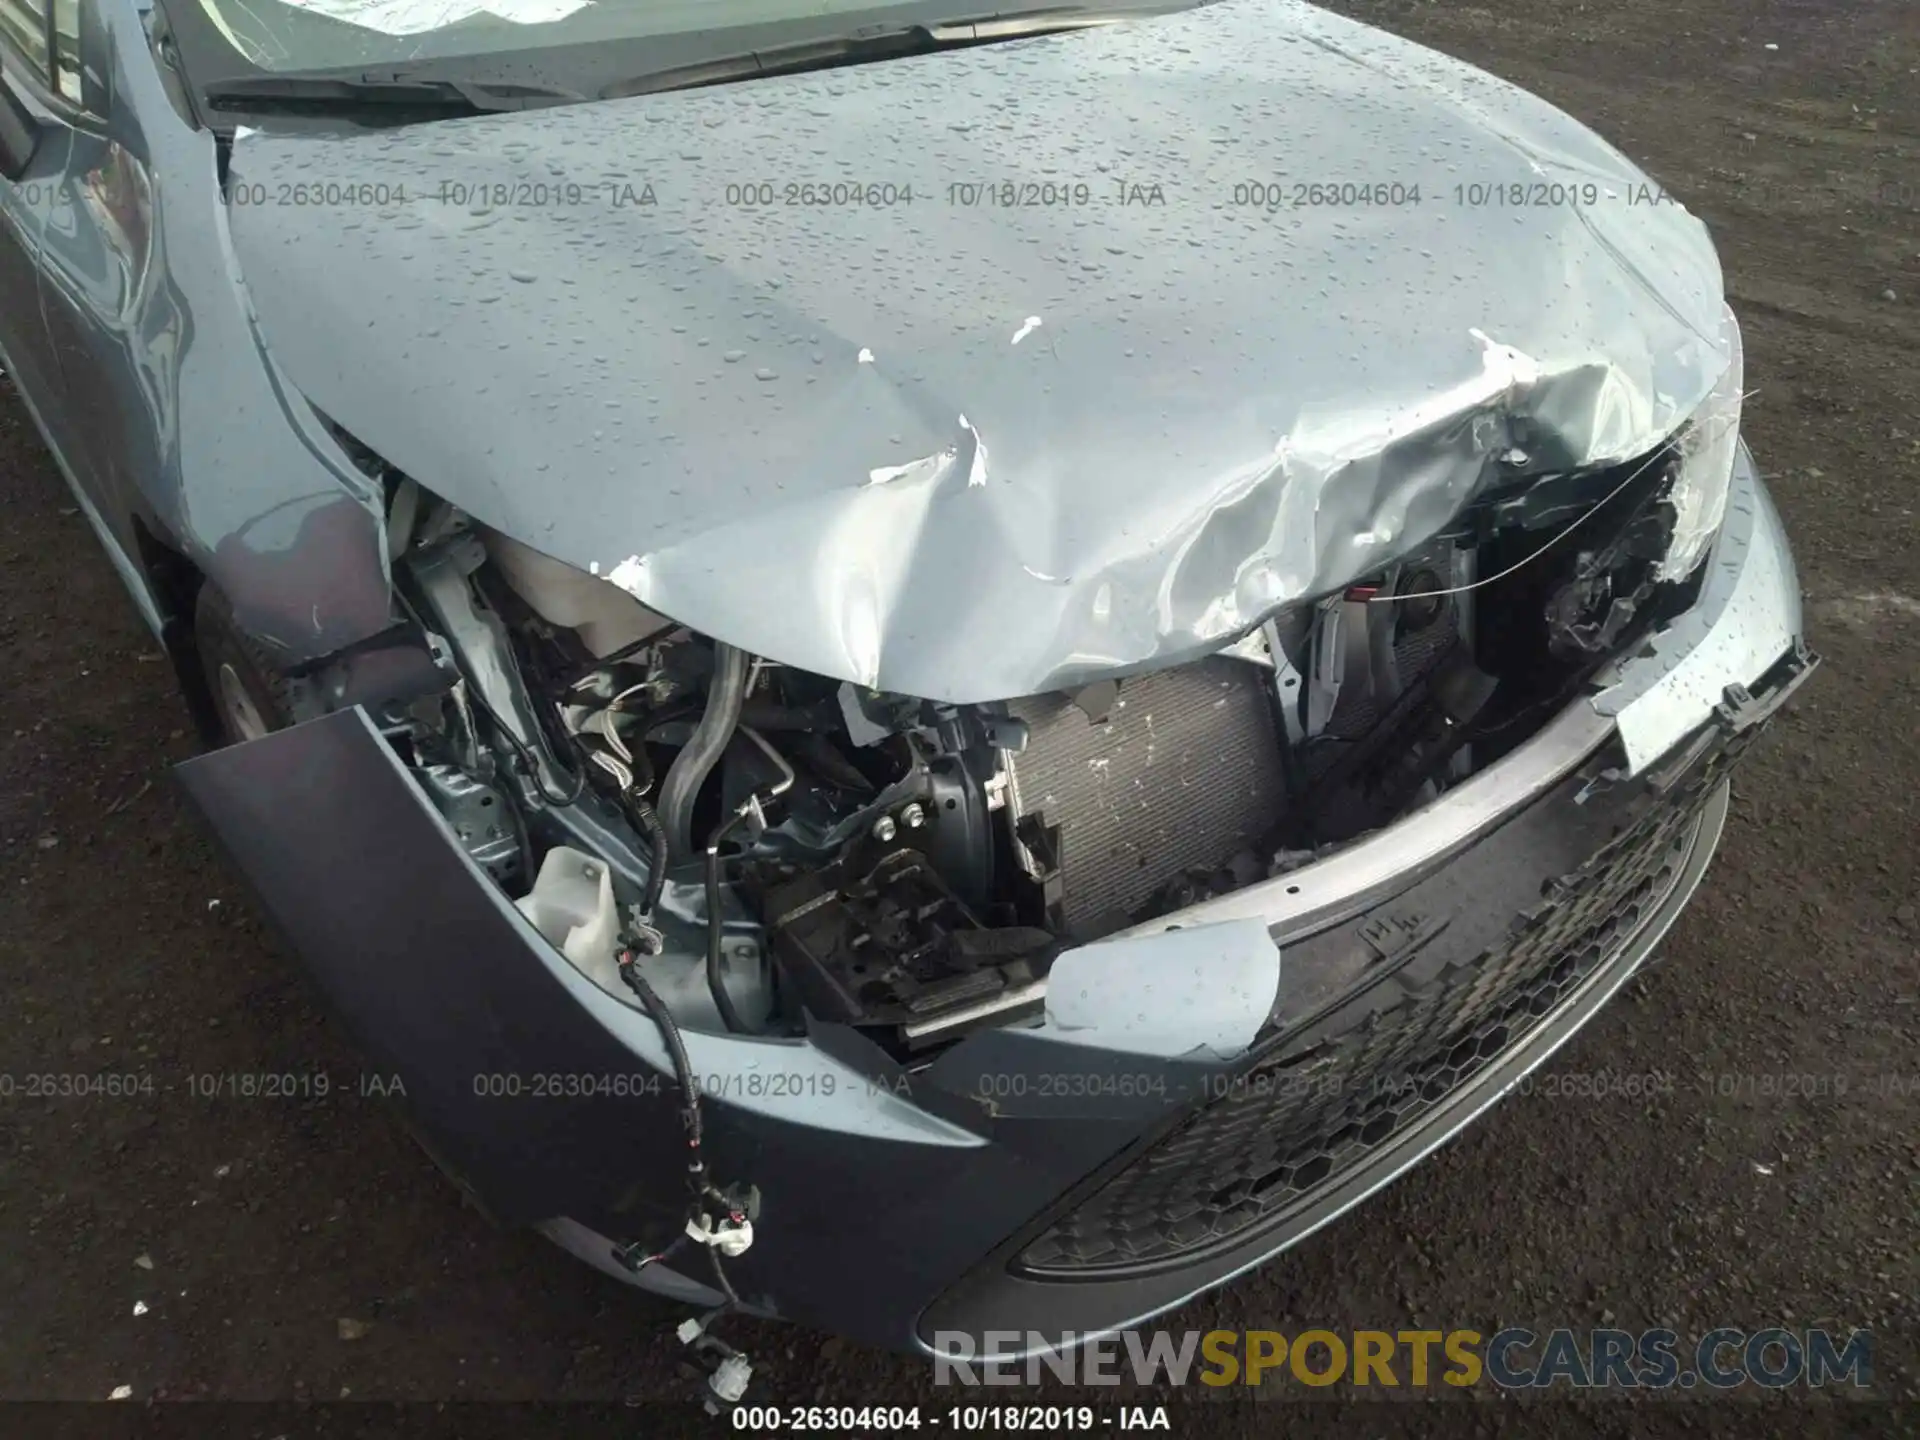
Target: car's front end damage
column 1051, row 1103
column 1080, row 818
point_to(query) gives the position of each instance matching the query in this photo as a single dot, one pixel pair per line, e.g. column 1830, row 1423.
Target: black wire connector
column 719, row 1219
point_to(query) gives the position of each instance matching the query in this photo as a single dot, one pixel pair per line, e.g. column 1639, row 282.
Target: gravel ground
column 304, row 1249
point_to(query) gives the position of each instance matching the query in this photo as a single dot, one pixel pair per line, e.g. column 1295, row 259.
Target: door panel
column 24, row 205
column 95, row 260
column 93, row 210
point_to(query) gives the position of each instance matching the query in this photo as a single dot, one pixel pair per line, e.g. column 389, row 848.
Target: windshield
column 285, row 36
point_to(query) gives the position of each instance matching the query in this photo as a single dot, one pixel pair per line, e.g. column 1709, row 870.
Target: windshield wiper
column 873, row 42
column 378, row 99
column 397, row 96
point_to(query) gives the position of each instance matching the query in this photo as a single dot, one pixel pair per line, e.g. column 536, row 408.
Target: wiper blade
column 378, row 97
column 397, row 95
column 873, row 42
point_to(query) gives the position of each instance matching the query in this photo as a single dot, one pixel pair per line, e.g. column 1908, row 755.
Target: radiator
column 1184, row 772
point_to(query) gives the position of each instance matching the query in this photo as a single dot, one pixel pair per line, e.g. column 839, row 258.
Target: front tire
column 250, row 697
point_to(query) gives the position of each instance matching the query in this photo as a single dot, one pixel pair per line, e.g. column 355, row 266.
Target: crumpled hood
column 971, row 446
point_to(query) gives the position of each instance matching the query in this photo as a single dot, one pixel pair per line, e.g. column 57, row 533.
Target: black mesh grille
column 1289, row 1125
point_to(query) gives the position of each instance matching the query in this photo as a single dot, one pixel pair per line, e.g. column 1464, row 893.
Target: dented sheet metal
column 968, row 449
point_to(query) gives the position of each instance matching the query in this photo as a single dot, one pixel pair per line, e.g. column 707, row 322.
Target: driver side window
column 25, row 26
column 43, row 38
column 65, row 35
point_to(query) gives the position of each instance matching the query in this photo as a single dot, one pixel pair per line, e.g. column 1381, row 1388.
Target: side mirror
column 19, row 133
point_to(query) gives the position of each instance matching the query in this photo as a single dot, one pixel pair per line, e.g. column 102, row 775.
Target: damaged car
column 1028, row 651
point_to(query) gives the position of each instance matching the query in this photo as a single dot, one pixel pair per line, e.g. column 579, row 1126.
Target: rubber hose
column 722, row 1001
column 703, row 749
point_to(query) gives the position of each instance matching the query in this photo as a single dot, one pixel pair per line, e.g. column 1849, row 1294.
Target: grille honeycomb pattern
column 1285, row 1128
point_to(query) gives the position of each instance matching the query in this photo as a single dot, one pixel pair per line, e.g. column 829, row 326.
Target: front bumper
column 1030, row 1180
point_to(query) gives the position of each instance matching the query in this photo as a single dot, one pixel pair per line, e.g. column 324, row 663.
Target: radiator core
column 1185, row 771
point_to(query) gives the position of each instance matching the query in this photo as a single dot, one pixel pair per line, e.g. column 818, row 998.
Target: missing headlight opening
column 753, row 846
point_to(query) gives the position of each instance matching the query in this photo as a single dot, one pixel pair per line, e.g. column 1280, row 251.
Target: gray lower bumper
column 1008, row 1301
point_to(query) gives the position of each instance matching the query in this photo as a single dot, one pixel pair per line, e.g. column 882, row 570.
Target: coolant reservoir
column 572, row 906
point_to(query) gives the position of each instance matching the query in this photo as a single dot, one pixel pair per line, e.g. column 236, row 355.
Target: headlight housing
column 1706, row 446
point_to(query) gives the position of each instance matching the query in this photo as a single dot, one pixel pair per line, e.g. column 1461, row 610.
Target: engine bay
column 769, row 849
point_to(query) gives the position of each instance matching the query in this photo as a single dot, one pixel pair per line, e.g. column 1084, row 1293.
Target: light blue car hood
column 1000, row 438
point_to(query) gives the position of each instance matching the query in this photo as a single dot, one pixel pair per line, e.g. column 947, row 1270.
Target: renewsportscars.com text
column 1512, row 1358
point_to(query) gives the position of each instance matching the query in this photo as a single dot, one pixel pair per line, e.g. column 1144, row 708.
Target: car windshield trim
column 429, row 89
column 858, row 48
column 398, row 98
column 612, row 47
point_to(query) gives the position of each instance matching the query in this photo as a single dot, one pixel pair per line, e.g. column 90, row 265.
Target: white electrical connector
column 730, row 1239
column 730, row 1380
